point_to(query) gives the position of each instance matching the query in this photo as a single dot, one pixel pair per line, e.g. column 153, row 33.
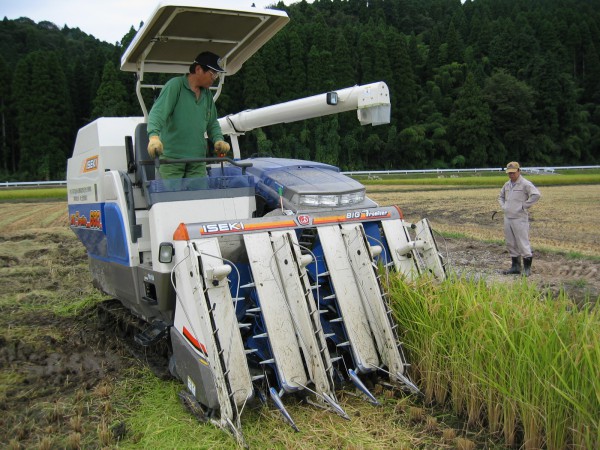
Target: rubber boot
column 527, row 266
column 515, row 268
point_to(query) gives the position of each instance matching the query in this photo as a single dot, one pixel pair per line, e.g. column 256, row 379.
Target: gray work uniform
column 516, row 199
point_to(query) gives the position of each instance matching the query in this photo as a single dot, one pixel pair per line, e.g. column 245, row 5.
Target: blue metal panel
column 114, row 227
column 86, row 221
column 101, row 229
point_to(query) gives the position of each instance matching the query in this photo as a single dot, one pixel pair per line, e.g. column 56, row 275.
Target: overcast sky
column 107, row 20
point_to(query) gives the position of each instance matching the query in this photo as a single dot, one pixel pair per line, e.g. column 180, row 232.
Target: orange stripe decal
column 353, row 216
column 260, row 226
column 198, row 345
column 329, row 219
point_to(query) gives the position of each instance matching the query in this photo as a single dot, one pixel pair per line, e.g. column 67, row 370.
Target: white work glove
column 222, row 148
column 155, row 147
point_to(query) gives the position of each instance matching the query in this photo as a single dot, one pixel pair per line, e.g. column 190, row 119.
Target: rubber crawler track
column 114, row 318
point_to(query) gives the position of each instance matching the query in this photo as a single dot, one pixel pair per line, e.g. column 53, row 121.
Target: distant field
column 478, row 180
column 566, row 218
column 33, row 193
column 392, row 182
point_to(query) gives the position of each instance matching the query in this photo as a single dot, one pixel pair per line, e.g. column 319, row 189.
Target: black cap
column 209, row 60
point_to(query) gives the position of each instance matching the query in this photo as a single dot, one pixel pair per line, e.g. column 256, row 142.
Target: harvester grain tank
column 265, row 278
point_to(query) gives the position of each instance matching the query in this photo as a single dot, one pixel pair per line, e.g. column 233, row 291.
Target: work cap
column 209, row 60
column 512, row 167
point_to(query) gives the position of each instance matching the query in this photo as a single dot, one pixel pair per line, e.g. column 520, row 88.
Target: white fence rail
column 368, row 173
column 27, row 184
column 534, row 170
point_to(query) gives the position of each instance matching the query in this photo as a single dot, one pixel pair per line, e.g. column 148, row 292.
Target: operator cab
column 223, row 181
column 167, row 44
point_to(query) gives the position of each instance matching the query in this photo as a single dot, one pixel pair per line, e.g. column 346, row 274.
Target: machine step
column 152, row 334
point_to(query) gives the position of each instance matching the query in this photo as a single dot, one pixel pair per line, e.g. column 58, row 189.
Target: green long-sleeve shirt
column 180, row 120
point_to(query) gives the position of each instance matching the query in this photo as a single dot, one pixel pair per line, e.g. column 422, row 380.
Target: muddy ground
column 553, row 272
column 59, row 362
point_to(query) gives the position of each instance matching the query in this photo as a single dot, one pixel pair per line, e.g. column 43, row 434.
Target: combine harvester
column 266, row 281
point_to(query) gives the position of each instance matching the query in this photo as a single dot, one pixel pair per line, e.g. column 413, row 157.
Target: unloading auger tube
column 370, row 101
column 306, row 310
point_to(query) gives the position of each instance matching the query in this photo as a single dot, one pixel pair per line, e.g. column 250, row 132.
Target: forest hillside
column 472, row 84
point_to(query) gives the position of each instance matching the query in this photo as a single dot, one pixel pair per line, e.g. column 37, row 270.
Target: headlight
column 351, row 199
column 329, row 200
column 165, row 252
column 309, row 200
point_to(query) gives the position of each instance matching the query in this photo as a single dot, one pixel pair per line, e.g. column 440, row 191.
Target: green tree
column 470, row 124
column 256, row 87
column 550, row 49
column 512, row 104
column 403, row 86
column 80, row 94
column 455, row 45
column 433, row 51
column 555, row 109
column 320, row 67
column 327, row 140
column 374, row 63
column 514, row 46
column 264, row 145
column 297, row 71
column 413, row 143
column 276, row 53
column 591, row 76
column 350, row 152
column 415, row 53
column 111, row 99
column 44, row 122
column 343, row 62
column 574, row 44
column 448, row 78
column 5, row 145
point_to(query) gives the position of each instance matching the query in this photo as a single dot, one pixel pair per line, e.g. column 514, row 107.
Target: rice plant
column 505, row 356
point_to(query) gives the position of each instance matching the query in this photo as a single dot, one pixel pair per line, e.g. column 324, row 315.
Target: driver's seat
column 143, row 172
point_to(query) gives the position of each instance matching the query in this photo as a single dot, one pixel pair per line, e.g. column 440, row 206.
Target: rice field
column 566, row 218
column 505, row 357
column 500, row 365
column 33, row 193
column 520, row 363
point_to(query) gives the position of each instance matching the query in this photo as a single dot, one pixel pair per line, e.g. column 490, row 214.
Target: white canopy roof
column 177, row 32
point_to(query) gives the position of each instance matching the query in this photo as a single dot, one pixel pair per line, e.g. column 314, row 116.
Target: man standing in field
column 516, row 197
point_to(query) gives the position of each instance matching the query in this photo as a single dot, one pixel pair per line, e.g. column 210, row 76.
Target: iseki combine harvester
column 264, row 278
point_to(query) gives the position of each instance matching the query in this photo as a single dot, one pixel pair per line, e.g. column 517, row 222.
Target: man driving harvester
column 516, row 197
column 182, row 114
